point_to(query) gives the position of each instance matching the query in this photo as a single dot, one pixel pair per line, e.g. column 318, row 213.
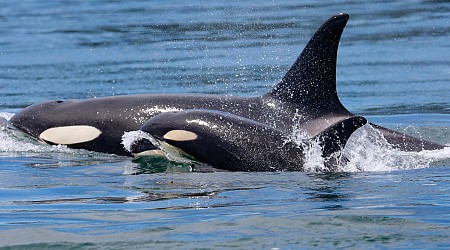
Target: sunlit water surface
column 393, row 69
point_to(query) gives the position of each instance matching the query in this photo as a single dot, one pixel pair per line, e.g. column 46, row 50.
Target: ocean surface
column 393, row 69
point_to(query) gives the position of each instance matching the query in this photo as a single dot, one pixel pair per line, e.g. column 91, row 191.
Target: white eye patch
column 180, row 135
column 70, row 134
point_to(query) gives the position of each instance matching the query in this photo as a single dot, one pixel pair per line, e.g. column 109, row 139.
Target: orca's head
column 36, row 118
column 198, row 134
column 55, row 122
column 172, row 128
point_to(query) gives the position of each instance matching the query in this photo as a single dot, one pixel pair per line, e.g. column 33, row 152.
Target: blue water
column 393, row 68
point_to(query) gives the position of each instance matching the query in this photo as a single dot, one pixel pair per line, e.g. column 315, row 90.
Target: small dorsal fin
column 311, row 81
column 334, row 138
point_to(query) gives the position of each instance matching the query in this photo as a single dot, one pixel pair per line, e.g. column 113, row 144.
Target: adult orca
column 307, row 93
column 230, row 142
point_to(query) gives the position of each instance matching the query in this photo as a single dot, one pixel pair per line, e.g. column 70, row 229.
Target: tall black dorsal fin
column 311, row 81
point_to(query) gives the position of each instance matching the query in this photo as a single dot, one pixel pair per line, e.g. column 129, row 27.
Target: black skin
column 230, row 142
column 308, row 89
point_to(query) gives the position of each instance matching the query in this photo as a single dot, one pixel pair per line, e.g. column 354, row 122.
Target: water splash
column 13, row 141
column 367, row 150
column 171, row 153
column 132, row 137
column 314, row 162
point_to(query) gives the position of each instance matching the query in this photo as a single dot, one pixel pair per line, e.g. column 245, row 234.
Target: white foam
column 131, row 137
column 170, row 152
column 366, row 150
column 13, row 141
column 314, row 162
column 6, row 116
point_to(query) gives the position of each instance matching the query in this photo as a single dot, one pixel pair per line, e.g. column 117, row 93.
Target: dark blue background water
column 393, row 68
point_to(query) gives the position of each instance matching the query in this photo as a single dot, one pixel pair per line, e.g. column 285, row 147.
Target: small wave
column 131, row 137
column 170, row 152
column 367, row 150
column 5, row 116
column 14, row 141
column 314, row 162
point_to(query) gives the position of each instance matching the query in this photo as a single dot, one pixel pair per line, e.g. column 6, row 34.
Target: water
column 393, row 68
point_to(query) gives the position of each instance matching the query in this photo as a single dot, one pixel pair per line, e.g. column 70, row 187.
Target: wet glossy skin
column 116, row 115
column 230, row 142
column 305, row 98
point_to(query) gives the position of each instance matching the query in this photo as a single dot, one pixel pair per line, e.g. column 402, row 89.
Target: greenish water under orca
column 393, row 69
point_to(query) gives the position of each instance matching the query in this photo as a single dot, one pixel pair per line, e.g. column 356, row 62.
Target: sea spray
column 314, row 162
column 368, row 150
column 170, row 152
column 14, row 141
column 132, row 137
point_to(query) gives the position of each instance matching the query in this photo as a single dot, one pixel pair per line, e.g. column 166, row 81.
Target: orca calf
column 307, row 91
column 230, row 142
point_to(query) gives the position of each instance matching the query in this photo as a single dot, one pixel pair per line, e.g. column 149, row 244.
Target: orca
column 307, row 93
column 234, row 143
